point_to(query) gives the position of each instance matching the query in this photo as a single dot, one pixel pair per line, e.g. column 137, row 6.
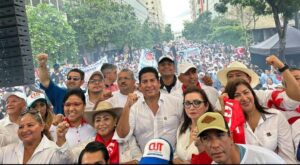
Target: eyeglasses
column 196, row 103
column 75, row 104
column 73, row 78
column 95, row 81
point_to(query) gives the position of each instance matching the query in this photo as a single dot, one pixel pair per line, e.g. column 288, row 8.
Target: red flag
column 235, row 118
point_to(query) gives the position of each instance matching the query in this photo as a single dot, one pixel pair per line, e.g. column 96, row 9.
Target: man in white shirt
column 189, row 77
column 15, row 104
column 169, row 83
column 126, row 84
column 95, row 89
column 152, row 116
column 217, row 141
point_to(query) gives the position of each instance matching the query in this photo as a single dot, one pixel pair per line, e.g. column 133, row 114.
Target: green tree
column 228, row 34
column 168, row 35
column 199, row 29
column 103, row 22
column 51, row 33
column 284, row 8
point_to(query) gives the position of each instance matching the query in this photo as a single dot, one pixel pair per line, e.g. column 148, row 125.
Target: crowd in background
column 195, row 103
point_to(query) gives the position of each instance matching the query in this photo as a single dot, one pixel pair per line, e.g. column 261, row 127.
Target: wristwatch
column 285, row 67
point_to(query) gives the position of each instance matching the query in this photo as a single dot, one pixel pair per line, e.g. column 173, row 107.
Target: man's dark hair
column 93, row 147
column 78, row 71
column 108, row 66
column 148, row 70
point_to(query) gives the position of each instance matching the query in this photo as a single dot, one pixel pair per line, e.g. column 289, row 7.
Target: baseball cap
column 211, row 120
column 165, row 57
column 184, row 67
column 34, row 96
column 157, row 151
column 16, row 93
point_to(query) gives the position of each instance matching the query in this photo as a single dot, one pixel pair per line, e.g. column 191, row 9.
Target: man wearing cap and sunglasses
column 214, row 134
column 169, row 83
column 15, row 104
column 75, row 78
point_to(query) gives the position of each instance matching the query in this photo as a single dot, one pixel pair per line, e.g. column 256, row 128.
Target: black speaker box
column 16, row 62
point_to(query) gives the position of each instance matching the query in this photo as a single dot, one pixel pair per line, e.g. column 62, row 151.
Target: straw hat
column 102, row 106
column 222, row 74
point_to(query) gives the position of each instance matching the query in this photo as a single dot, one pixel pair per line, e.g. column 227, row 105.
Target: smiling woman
column 34, row 146
column 104, row 119
column 264, row 127
column 74, row 105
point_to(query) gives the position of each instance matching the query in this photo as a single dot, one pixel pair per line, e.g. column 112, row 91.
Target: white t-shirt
column 259, row 155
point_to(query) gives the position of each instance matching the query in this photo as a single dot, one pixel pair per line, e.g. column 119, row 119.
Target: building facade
column 155, row 12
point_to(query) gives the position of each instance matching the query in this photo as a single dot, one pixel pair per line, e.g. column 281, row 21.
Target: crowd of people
column 196, row 108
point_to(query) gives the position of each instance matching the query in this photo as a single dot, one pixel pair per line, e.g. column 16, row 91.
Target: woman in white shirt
column 34, row 147
column 74, row 104
column 104, row 118
column 264, row 127
column 196, row 103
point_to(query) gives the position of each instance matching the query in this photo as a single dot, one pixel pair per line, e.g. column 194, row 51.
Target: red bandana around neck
column 81, row 123
column 184, row 87
column 112, row 147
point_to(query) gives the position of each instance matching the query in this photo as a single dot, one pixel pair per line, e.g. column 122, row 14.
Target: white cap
column 166, row 57
column 21, row 95
column 157, row 151
column 34, row 96
column 184, row 67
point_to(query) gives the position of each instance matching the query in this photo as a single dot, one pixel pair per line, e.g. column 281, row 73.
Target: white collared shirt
column 296, row 133
column 89, row 105
column 272, row 132
column 185, row 150
column 175, row 91
column 144, row 125
column 47, row 152
column 259, row 155
column 12, row 129
column 128, row 150
column 76, row 135
column 119, row 100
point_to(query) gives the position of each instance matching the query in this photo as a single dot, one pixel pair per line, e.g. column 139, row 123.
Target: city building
column 155, row 12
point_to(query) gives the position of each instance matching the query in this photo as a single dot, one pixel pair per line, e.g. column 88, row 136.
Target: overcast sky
column 175, row 12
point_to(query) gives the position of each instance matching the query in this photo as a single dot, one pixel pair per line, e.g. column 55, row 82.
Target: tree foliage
column 50, row 33
column 219, row 29
column 168, row 35
column 284, row 8
column 103, row 22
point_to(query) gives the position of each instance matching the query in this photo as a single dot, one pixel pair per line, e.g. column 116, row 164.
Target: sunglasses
column 41, row 104
column 75, row 104
column 73, row 78
column 95, row 81
column 195, row 103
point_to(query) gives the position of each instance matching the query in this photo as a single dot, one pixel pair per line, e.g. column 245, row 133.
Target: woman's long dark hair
column 230, row 89
column 186, row 120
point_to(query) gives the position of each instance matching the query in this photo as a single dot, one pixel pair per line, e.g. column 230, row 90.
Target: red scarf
column 234, row 116
column 185, row 87
column 81, row 122
column 201, row 158
column 112, row 147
